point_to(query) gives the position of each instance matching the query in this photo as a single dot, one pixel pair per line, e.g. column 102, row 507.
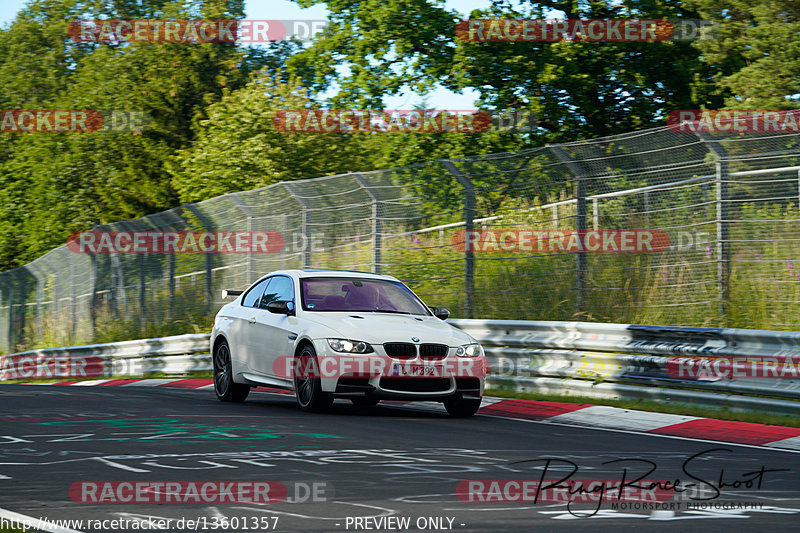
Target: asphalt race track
column 355, row 469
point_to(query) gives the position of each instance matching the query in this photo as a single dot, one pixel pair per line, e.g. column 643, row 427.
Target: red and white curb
column 596, row 416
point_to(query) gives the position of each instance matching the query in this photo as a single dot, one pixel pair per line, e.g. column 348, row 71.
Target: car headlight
column 469, row 350
column 348, row 346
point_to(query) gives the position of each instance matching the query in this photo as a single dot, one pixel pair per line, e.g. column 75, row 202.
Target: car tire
column 308, row 387
column 365, row 401
column 459, row 407
column 224, row 386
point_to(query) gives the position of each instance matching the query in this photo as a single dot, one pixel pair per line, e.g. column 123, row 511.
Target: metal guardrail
column 620, row 361
column 625, row 361
column 176, row 355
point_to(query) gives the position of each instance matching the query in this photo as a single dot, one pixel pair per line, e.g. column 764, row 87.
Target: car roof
column 330, row 272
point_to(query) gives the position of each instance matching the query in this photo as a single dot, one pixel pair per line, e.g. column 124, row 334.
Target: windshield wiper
column 390, row 311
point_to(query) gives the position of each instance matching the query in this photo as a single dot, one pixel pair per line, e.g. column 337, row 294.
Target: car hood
column 378, row 328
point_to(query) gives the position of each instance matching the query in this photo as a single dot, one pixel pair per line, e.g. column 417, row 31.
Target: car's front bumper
column 377, row 375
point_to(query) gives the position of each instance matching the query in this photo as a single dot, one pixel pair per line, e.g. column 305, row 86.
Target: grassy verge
column 657, row 407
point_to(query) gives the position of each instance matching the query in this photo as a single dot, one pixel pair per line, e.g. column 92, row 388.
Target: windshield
column 360, row 294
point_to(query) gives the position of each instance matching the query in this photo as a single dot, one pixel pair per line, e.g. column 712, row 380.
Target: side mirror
column 440, row 313
column 281, row 307
column 227, row 292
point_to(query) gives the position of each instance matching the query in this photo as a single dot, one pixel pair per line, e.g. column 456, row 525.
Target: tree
column 239, row 148
column 57, row 183
column 754, row 47
column 578, row 89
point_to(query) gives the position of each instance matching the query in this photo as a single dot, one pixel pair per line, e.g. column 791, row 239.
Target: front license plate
column 415, row 370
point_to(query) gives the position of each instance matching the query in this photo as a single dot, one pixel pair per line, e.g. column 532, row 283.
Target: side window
column 254, row 294
column 281, row 289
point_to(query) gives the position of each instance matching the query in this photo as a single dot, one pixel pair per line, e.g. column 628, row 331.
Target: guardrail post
column 723, row 230
column 469, row 225
column 377, row 243
column 580, row 224
column 305, row 226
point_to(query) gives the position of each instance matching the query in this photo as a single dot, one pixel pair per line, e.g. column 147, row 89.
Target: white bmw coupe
column 337, row 334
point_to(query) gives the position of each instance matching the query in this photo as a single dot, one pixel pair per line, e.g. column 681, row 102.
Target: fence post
column 140, row 268
column 142, row 292
column 93, row 302
column 305, row 224
column 11, row 330
column 74, row 298
column 171, row 283
column 41, row 280
column 469, row 216
column 118, row 287
column 580, row 224
column 250, row 215
column 377, row 242
column 208, row 225
column 723, row 230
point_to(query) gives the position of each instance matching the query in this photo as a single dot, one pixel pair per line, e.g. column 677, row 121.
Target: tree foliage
column 755, row 47
column 238, row 148
column 212, row 104
column 578, row 89
column 57, row 183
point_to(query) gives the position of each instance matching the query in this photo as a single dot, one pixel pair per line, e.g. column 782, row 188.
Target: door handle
column 252, row 320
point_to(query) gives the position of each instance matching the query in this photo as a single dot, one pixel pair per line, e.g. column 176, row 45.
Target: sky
column 287, row 10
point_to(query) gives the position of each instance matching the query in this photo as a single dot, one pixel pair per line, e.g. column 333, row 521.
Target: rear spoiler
column 226, row 293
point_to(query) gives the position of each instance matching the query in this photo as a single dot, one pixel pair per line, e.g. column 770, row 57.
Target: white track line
column 154, row 382
column 618, row 418
column 546, row 421
column 90, row 383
